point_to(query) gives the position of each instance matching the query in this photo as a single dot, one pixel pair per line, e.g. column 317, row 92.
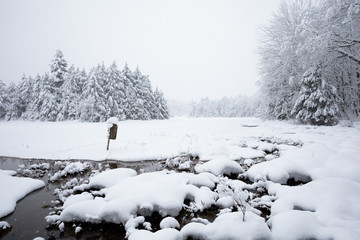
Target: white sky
column 190, row 48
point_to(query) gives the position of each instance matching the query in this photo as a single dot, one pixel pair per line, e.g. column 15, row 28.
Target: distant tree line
column 68, row 93
column 241, row 106
column 310, row 62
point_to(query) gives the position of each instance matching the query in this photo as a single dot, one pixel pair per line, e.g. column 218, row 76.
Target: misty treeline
column 310, row 62
column 241, row 106
column 68, row 93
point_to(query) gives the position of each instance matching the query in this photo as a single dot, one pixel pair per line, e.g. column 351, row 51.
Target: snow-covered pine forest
column 68, row 93
column 310, row 62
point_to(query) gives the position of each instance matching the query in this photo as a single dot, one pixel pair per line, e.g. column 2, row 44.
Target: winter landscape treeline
column 68, row 93
column 241, row 106
column 310, row 62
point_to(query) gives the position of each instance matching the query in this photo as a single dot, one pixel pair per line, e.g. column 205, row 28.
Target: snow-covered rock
column 169, row 222
column 229, row 226
column 220, row 167
column 110, row 177
column 167, row 233
column 4, row 225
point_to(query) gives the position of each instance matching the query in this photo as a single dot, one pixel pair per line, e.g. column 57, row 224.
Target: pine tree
column 115, row 92
column 58, row 69
column 49, row 106
column 318, row 101
column 68, row 106
column 19, row 98
column 131, row 105
column 93, row 107
column 34, row 106
column 161, row 105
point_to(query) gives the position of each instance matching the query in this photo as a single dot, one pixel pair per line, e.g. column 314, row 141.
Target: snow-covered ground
column 325, row 159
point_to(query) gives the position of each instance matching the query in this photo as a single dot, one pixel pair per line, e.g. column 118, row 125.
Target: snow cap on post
column 112, row 127
column 111, row 121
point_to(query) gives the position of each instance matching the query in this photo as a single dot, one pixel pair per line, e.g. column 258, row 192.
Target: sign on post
column 112, row 124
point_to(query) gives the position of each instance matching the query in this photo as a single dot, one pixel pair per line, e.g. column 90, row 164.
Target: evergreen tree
column 20, row 97
column 12, row 103
column 47, row 99
column 68, row 107
column 34, row 106
column 93, row 107
column 58, row 69
column 318, row 101
column 131, row 105
column 161, row 105
column 144, row 96
column 115, row 92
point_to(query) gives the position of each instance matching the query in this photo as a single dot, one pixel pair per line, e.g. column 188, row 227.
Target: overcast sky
column 189, row 48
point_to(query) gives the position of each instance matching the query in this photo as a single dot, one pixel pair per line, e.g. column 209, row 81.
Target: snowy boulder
column 278, row 170
column 169, row 222
column 110, row 177
column 229, row 226
column 78, row 229
column 225, row 202
column 204, row 198
column 70, row 168
column 204, row 179
column 220, row 167
column 4, row 225
column 77, row 198
column 167, row 233
column 267, row 147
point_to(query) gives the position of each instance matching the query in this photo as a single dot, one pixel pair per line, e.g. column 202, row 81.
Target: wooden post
column 107, row 148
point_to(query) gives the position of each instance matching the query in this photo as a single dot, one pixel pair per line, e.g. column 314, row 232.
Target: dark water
column 28, row 219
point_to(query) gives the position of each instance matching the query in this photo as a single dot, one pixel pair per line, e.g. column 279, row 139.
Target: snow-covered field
column 309, row 176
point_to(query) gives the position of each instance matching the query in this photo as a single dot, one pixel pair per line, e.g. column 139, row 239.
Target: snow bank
column 331, row 201
column 294, row 225
column 13, row 189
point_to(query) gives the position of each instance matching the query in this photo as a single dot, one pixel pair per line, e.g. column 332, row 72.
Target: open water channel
column 28, row 219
